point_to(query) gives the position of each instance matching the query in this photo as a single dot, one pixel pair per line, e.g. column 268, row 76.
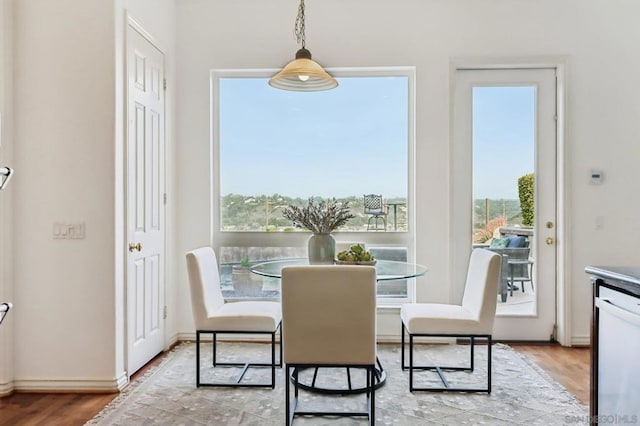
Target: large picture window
column 273, row 148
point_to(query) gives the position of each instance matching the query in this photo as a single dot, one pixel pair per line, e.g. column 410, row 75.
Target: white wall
column 597, row 38
column 68, row 294
column 64, row 112
column 6, row 133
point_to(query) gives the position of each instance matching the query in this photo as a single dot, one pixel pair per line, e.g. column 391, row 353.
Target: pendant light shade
column 302, row 74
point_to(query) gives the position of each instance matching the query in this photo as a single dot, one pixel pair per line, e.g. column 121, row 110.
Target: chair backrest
column 481, row 287
column 373, row 204
column 204, row 283
column 329, row 314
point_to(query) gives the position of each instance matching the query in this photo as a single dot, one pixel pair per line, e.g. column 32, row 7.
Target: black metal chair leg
column 440, row 369
column 287, row 393
column 273, row 360
column 245, row 365
column 473, row 341
column 402, row 365
column 410, row 362
column 372, row 410
column 197, row 359
column 215, row 349
column 489, row 343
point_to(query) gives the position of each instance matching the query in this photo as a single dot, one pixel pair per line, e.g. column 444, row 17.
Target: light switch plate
column 68, row 231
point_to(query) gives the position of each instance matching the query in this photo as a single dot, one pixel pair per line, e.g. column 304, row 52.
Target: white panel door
column 515, row 110
column 145, row 201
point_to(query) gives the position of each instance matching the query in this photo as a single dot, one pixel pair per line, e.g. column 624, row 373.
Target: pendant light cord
column 302, row 74
column 298, row 29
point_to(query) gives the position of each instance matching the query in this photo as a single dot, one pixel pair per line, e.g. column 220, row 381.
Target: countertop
column 629, row 274
column 622, row 277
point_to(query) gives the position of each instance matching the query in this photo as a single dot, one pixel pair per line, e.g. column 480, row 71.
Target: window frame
column 220, row 238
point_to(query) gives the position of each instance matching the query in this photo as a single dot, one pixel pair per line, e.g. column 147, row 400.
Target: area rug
column 522, row 393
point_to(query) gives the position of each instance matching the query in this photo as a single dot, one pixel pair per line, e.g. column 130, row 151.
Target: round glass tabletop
column 386, row 270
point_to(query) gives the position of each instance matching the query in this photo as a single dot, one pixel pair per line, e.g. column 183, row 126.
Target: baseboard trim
column 173, row 340
column 72, row 386
column 580, row 340
column 6, row 388
column 122, row 381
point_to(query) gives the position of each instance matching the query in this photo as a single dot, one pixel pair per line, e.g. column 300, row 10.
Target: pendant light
column 302, row 74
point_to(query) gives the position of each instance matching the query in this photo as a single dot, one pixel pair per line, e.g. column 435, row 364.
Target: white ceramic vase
column 322, row 249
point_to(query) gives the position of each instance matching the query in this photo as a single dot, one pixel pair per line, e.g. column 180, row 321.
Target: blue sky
column 503, row 139
column 353, row 140
column 348, row 141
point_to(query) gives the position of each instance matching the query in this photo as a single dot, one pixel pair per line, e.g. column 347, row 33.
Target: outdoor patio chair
column 375, row 208
column 519, row 267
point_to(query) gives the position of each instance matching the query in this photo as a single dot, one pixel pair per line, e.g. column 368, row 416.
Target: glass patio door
column 504, row 190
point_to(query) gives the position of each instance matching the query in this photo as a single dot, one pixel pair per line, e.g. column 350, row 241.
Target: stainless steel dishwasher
column 615, row 345
column 618, row 349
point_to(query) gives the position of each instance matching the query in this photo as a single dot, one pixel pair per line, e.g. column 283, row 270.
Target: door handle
column 628, row 316
column 549, row 241
column 133, row 247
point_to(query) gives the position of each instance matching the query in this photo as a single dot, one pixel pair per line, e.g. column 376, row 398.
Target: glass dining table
column 386, row 270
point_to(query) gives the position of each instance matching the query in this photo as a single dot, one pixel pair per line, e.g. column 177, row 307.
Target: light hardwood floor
column 569, row 366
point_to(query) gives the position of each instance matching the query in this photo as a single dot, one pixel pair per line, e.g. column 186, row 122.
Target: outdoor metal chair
column 519, row 267
column 374, row 206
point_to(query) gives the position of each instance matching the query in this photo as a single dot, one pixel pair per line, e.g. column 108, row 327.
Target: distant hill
column 264, row 212
column 508, row 208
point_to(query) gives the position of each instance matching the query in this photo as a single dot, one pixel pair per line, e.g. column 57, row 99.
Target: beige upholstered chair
column 213, row 316
column 472, row 319
column 329, row 320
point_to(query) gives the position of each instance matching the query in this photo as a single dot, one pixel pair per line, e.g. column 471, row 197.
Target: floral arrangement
column 319, row 217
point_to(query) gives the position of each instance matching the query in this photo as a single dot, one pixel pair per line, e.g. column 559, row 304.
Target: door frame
column 131, row 24
column 563, row 237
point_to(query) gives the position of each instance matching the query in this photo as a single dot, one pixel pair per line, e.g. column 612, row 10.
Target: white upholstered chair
column 329, row 320
column 213, row 316
column 472, row 319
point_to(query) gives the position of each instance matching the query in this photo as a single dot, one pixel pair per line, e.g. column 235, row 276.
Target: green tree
column 527, row 200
